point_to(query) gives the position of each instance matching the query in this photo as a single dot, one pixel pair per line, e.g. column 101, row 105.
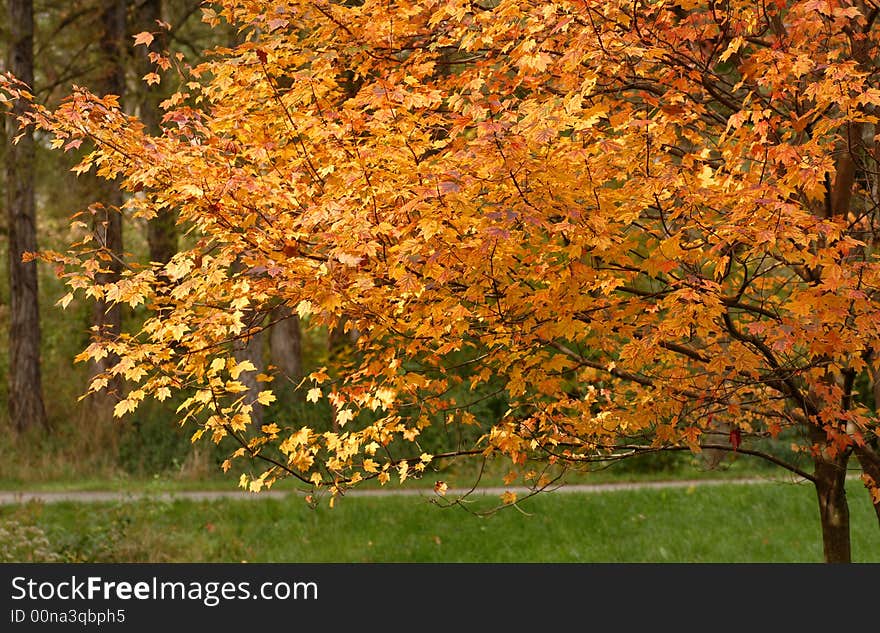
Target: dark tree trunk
column 834, row 513
column 26, row 407
column 162, row 236
column 107, row 221
column 830, row 474
column 161, row 230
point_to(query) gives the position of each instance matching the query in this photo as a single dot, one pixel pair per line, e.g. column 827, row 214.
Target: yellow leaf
column 314, row 394
column 735, row 44
column 385, row 396
column 707, row 176
column 178, row 330
column 371, row 466
column 343, row 416
column 124, row 406
column 65, row 300
column 508, row 497
column 244, row 365
column 304, row 309
column 266, row 397
column 234, row 386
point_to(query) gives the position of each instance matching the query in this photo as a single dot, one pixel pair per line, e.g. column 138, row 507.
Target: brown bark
column 107, row 221
column 845, row 168
column 285, row 344
column 830, row 482
column 26, row 407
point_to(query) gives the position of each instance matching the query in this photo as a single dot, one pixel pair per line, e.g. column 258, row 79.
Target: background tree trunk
column 107, row 221
column 26, row 407
column 161, row 230
column 285, row 344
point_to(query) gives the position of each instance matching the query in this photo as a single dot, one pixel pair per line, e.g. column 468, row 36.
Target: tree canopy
column 651, row 223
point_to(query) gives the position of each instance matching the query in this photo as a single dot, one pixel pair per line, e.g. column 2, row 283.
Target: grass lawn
column 729, row 523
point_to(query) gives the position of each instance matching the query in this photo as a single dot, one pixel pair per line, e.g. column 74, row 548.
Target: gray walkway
column 13, row 497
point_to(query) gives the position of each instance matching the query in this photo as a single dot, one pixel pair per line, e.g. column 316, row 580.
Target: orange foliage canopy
column 651, row 220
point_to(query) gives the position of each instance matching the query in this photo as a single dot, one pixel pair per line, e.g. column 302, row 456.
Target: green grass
column 756, row 523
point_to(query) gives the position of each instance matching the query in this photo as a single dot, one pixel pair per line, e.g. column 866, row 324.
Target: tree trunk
column 162, row 236
column 830, row 474
column 26, row 407
column 285, row 344
column 107, row 317
column 107, row 221
column 161, row 230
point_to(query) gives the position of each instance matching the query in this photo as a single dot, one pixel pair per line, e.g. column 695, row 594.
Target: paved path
column 12, row 497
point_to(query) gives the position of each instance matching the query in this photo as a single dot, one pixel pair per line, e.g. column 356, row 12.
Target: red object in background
column 735, row 438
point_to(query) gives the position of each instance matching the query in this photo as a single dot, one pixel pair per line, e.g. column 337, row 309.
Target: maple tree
column 652, row 222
